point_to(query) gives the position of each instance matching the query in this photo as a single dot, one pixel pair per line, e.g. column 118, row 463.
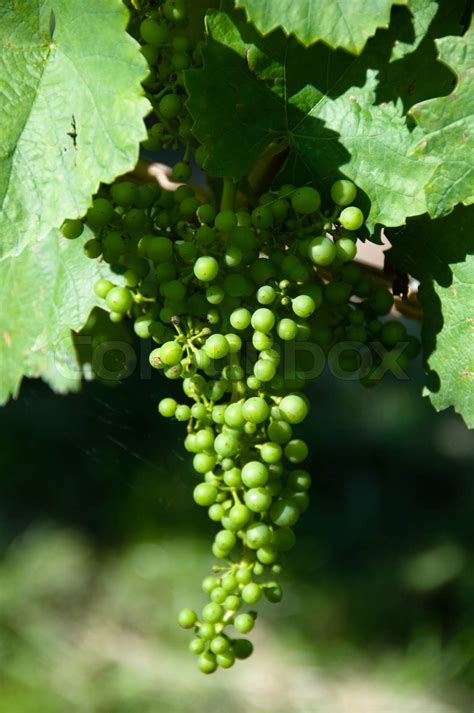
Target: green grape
column 251, row 593
column 170, row 106
column 381, row 301
column 183, row 413
column 293, row 408
column 232, row 602
column 219, row 645
column 343, row 192
column 296, row 451
column 299, row 480
column 244, row 623
column 239, row 515
column 273, row 592
column 187, row 208
column 267, row 554
column 212, row 613
column 187, row 618
column 240, row 318
column 266, row 295
column 197, row 646
column 346, row 249
column 180, row 61
column 209, row 583
column 206, row 213
column 154, row 33
column 303, row 306
column 100, row 213
column 305, row 200
column 225, row 540
column 264, row 370
column 102, row 288
column 218, row 595
column 322, row 251
column 206, row 268
column 337, row 293
column 115, row 317
column 287, row 329
column 207, row 662
column 263, row 320
column 225, row 221
column 254, row 474
column 171, row 353
column 271, row 452
column 242, row 648
column 167, row 407
column 135, row 220
column 262, row 341
column 234, row 342
column 280, row 431
column 284, row 513
column 119, row 299
column 238, row 285
column 284, row 539
column 226, row 444
column 255, row 410
column 262, row 217
column 351, row 218
column 181, row 172
column 175, row 10
column 205, row 494
column 257, row 499
column 216, row 346
column 124, row 193
column 262, row 270
column 72, row 229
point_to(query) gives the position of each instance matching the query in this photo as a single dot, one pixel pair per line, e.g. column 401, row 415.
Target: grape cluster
column 170, row 49
column 230, row 298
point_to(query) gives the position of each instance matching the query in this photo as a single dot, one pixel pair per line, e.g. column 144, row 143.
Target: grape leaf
column 72, row 110
column 423, row 12
column 448, row 130
column 440, row 253
column 47, row 290
column 256, row 94
column 346, row 23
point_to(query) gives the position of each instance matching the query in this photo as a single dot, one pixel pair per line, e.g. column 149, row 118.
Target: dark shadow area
column 426, row 249
column 391, row 510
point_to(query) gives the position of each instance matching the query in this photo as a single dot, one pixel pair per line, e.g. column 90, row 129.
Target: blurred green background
column 102, row 545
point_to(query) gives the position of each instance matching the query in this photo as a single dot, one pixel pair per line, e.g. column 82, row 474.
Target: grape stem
column 228, row 194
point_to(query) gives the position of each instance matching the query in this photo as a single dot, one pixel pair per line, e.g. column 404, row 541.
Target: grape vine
column 235, row 297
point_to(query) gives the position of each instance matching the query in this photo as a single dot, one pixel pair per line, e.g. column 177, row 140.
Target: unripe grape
column 351, row 218
column 343, row 192
column 187, row 618
column 293, row 408
column 205, row 494
column 170, row 106
column 305, row 200
column 206, row 268
column 251, row 593
column 322, row 251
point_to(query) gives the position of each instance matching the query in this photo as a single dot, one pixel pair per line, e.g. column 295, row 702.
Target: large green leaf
column 448, row 126
column 71, row 114
column 345, row 23
column 256, row 94
column 440, row 253
column 45, row 291
column 423, row 12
